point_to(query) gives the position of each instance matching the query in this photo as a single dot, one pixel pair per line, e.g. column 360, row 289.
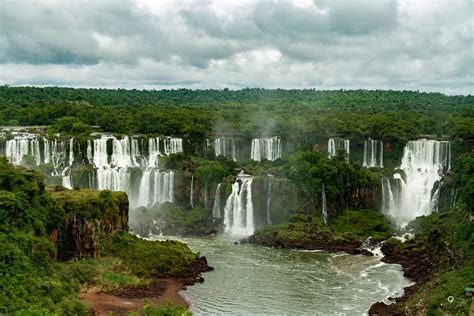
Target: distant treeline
column 303, row 117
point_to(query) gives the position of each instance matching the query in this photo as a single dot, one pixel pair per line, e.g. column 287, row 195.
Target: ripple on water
column 260, row 281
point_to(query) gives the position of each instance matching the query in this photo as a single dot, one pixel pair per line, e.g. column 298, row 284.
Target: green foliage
column 32, row 283
column 433, row 296
column 208, row 171
column 303, row 117
column 92, row 204
column 24, row 203
column 28, row 284
column 70, row 125
column 310, row 170
column 149, row 258
column 363, row 223
column 168, row 310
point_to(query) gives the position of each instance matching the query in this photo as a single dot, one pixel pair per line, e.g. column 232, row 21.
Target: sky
column 425, row 45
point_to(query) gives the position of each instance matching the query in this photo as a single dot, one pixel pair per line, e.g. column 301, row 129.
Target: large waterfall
column 238, row 211
column 225, row 147
column 128, row 164
column 266, row 148
column 373, row 153
column 30, row 149
column 336, row 144
column 409, row 194
column 114, row 172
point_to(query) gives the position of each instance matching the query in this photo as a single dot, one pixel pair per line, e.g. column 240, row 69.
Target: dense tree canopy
column 302, row 117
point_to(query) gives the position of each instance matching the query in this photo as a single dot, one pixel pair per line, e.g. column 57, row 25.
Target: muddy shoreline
column 161, row 291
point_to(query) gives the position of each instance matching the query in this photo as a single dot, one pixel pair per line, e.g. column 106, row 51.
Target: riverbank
column 159, row 291
column 313, row 277
column 125, row 301
column 439, row 259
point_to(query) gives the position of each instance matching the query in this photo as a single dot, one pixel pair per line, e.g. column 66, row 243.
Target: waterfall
column 67, row 172
column 225, row 147
column 269, row 201
column 113, row 159
column 388, row 202
column 205, row 196
column 163, row 187
column 373, row 153
column 172, row 145
column 336, row 144
column 324, row 210
column 153, row 151
column 114, row 171
column 144, row 198
column 21, row 145
column 191, row 194
column 216, row 209
column 423, row 163
column 266, row 148
column 238, row 211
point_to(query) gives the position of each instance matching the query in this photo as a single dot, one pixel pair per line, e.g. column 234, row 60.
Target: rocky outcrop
column 327, row 243
column 420, row 259
column 90, row 216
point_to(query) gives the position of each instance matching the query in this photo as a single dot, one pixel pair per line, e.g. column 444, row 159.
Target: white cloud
column 404, row 44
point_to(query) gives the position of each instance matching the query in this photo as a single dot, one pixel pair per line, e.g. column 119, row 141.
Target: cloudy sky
column 423, row 45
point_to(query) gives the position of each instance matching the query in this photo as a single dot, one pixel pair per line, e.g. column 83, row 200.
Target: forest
column 303, row 117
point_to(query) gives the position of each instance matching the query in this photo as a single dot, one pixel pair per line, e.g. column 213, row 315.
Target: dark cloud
column 404, row 44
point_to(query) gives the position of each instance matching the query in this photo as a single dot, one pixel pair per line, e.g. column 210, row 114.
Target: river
column 255, row 280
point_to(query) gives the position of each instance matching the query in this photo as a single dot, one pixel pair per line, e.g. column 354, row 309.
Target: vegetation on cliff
column 39, row 227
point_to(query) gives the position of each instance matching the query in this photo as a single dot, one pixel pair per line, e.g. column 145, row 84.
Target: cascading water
column 156, row 187
column 114, row 171
column 266, row 148
column 336, row 144
column 172, row 145
column 269, row 200
column 59, row 153
column 216, row 209
column 21, row 145
column 373, row 153
column 423, row 163
column 66, row 173
column 238, row 211
column 324, row 207
column 191, row 194
column 225, row 147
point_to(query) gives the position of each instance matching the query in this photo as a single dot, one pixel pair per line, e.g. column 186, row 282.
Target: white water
column 112, row 170
column 21, row 145
column 59, row 153
column 373, row 153
column 266, row 148
column 225, row 147
column 255, row 280
column 269, row 200
column 67, row 172
column 238, row 211
column 216, row 210
column 324, row 207
column 336, row 144
column 191, row 194
column 423, row 163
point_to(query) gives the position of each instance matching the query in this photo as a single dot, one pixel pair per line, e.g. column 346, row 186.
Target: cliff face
column 90, row 217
